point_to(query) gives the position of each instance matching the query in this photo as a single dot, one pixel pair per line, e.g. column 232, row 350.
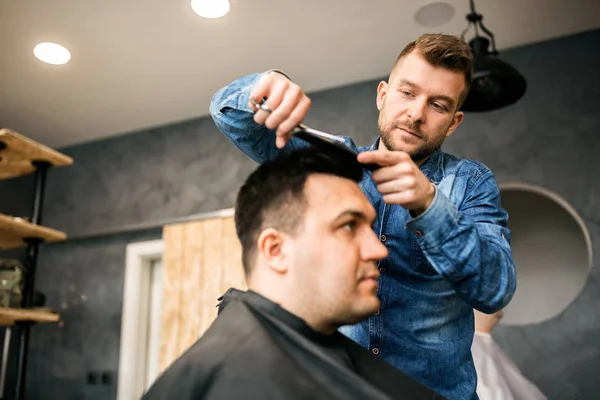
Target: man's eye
column 406, row 93
column 439, row 107
column 349, row 226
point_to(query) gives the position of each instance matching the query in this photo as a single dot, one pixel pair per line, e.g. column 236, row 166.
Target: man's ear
column 270, row 246
column 456, row 120
column 382, row 89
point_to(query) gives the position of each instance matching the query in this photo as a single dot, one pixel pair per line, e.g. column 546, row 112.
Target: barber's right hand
column 287, row 101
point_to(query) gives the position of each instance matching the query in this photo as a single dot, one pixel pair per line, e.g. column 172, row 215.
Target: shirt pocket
column 419, row 262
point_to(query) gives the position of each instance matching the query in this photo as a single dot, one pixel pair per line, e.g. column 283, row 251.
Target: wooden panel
column 13, row 230
column 172, row 269
column 191, row 286
column 208, row 258
column 17, row 152
column 9, row 315
column 233, row 270
column 212, row 287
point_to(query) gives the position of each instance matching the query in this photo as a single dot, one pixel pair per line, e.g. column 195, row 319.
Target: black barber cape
column 257, row 350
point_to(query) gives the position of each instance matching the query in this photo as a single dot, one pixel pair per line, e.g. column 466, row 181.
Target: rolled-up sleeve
column 231, row 113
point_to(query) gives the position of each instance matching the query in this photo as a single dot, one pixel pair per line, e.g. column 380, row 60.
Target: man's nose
column 416, row 111
column 372, row 248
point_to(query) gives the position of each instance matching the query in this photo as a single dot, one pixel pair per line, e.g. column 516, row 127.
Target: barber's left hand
column 400, row 180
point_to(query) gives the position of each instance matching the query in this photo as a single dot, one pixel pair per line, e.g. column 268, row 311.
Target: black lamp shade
column 496, row 84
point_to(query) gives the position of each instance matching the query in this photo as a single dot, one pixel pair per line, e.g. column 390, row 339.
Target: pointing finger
column 382, row 157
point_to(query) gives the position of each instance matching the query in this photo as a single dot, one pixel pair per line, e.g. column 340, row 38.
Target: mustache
column 410, row 126
column 371, row 272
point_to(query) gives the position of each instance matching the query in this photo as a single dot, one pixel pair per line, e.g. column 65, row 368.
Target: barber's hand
column 400, row 180
column 287, row 101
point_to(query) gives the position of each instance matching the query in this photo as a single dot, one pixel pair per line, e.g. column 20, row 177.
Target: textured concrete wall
column 550, row 138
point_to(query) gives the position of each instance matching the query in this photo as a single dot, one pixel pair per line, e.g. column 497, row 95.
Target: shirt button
column 419, row 233
column 381, row 269
column 378, row 312
column 375, row 351
column 383, row 238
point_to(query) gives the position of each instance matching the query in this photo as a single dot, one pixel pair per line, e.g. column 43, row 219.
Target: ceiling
column 138, row 64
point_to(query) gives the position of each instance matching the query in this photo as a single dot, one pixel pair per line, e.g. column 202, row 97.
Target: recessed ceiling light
column 52, row 53
column 210, row 8
column 434, row 14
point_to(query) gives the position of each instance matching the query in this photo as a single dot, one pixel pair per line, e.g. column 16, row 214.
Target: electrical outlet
column 107, row 378
column 93, row 378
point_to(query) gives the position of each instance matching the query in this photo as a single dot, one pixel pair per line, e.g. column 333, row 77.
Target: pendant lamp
column 496, row 84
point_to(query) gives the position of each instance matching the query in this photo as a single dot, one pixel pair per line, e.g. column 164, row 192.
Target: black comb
column 328, row 143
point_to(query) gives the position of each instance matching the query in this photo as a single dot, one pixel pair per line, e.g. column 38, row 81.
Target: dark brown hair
column 446, row 51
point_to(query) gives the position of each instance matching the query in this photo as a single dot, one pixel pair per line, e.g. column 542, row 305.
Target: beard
column 418, row 154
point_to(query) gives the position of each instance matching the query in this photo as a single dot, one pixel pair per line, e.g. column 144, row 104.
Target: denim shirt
column 452, row 258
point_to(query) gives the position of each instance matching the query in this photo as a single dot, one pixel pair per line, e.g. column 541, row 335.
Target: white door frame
column 134, row 320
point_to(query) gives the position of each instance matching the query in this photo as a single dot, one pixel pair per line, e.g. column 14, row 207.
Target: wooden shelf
column 18, row 152
column 8, row 316
column 13, row 230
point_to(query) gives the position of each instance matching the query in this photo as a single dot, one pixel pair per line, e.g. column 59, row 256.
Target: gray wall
column 550, row 138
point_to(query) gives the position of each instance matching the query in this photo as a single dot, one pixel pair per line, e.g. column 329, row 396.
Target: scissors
column 323, row 140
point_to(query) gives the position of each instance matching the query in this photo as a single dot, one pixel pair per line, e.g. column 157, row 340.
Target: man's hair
column 273, row 195
column 446, row 51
